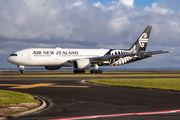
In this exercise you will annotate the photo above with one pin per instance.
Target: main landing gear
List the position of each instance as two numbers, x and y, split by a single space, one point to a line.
79 71
96 69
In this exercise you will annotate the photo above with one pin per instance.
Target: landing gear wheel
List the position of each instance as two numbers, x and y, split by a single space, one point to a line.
79 71
91 71
22 71
96 71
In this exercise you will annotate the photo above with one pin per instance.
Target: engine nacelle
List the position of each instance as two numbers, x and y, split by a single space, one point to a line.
52 67
82 64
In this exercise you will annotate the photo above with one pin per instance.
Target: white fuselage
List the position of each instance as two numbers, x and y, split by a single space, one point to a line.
52 57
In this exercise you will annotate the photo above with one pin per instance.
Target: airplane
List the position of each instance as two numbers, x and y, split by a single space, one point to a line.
83 59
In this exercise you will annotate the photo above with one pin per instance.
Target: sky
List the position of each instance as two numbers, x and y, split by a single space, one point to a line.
91 24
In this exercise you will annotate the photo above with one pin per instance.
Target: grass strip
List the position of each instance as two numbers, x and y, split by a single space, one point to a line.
95 75
10 97
150 83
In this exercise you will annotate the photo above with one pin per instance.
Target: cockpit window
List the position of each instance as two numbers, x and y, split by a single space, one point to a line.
13 55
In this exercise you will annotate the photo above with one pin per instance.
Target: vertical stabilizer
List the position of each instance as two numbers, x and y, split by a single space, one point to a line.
141 42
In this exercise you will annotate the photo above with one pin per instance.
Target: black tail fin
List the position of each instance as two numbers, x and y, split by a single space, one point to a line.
141 42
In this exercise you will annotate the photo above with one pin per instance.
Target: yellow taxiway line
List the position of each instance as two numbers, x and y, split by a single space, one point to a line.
20 86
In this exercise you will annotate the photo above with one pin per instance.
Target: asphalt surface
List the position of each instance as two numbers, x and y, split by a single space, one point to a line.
68 98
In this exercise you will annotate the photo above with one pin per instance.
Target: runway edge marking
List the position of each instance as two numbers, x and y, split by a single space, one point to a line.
118 115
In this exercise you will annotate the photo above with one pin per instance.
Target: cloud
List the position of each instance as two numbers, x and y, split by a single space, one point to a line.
118 24
103 7
81 24
78 3
128 3
157 9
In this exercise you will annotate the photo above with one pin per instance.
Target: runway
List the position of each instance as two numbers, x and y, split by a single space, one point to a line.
69 97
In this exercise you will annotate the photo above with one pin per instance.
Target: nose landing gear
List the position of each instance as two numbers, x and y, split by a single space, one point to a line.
21 69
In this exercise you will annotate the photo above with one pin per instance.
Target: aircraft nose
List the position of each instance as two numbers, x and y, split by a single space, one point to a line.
9 59
13 58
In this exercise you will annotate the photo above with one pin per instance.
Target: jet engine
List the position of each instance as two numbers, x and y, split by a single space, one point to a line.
82 64
52 67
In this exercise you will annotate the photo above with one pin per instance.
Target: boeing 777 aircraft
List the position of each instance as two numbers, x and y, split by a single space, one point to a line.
83 59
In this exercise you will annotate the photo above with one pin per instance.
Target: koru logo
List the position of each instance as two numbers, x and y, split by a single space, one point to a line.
143 39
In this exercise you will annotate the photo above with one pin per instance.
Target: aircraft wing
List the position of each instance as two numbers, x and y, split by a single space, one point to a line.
107 57
131 54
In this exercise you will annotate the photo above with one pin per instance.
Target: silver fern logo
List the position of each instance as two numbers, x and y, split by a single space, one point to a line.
143 39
